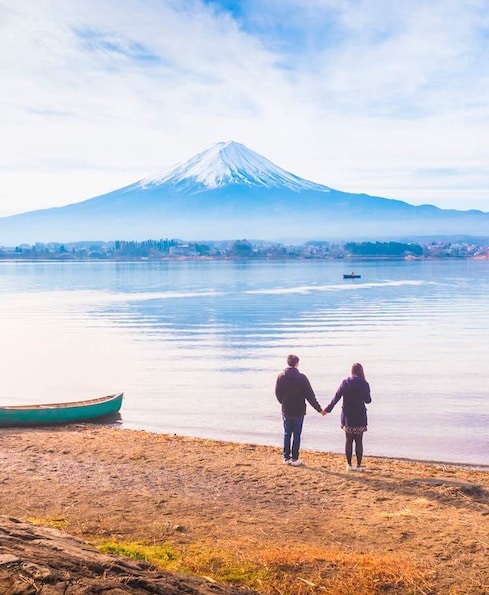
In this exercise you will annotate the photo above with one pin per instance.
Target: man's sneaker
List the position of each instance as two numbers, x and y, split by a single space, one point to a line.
287 461
359 468
296 462
349 467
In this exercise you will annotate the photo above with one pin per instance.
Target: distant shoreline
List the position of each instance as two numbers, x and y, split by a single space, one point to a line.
245 250
55 258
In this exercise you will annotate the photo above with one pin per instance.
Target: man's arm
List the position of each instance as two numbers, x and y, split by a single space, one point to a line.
278 389
310 396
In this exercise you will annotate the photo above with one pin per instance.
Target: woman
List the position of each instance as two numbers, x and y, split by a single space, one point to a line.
355 391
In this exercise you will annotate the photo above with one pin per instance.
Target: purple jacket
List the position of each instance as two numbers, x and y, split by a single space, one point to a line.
292 390
355 392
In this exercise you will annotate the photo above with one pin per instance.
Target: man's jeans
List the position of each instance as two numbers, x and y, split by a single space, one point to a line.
292 431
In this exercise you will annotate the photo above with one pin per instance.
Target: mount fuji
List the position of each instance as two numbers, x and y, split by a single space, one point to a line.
230 192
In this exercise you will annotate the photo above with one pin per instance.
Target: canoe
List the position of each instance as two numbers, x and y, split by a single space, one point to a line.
60 413
352 276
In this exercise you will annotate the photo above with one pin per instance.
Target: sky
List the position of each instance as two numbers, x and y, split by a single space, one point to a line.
373 96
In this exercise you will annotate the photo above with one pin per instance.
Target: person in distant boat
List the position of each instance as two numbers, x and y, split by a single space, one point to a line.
355 391
292 390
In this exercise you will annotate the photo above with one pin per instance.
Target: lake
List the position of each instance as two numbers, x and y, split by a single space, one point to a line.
196 346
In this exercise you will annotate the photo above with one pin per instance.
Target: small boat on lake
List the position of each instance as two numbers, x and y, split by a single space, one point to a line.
351 275
60 413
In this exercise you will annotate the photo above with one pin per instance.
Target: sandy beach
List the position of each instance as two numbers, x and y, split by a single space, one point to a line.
397 527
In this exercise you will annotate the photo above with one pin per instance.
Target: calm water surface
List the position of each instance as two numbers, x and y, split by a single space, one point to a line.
196 347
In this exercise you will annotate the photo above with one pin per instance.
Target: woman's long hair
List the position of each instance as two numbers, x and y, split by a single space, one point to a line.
357 370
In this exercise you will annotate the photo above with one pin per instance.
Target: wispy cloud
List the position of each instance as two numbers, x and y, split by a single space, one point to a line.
370 96
98 42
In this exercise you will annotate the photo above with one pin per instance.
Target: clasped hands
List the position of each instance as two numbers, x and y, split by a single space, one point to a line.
323 412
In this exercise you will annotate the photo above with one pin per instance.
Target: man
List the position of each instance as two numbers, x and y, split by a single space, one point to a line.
292 390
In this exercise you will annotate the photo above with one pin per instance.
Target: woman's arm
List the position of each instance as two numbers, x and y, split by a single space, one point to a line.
336 398
367 398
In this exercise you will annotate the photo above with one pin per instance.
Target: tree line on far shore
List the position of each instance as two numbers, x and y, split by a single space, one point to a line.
383 249
243 249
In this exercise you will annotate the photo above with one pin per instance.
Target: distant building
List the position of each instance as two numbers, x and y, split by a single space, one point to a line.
183 250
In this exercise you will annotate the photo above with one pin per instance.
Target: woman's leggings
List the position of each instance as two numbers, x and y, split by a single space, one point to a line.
358 439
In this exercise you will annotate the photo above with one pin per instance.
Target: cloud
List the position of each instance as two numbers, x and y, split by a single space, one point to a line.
360 95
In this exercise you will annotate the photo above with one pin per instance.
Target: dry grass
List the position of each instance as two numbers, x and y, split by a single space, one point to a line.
285 570
59 523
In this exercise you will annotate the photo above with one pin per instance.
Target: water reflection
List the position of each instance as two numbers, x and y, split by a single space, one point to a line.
196 347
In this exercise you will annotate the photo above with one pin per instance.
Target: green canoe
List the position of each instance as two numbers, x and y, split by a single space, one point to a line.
60 413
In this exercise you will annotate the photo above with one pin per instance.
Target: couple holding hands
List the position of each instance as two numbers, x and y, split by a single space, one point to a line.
293 389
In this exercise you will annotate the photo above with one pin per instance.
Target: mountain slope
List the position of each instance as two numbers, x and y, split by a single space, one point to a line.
227 192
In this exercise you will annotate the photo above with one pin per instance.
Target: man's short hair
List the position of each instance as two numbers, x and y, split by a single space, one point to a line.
292 360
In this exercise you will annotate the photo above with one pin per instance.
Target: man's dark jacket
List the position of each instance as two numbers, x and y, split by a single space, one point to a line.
292 390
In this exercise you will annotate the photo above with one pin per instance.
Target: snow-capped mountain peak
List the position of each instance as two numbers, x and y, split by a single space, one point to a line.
230 163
